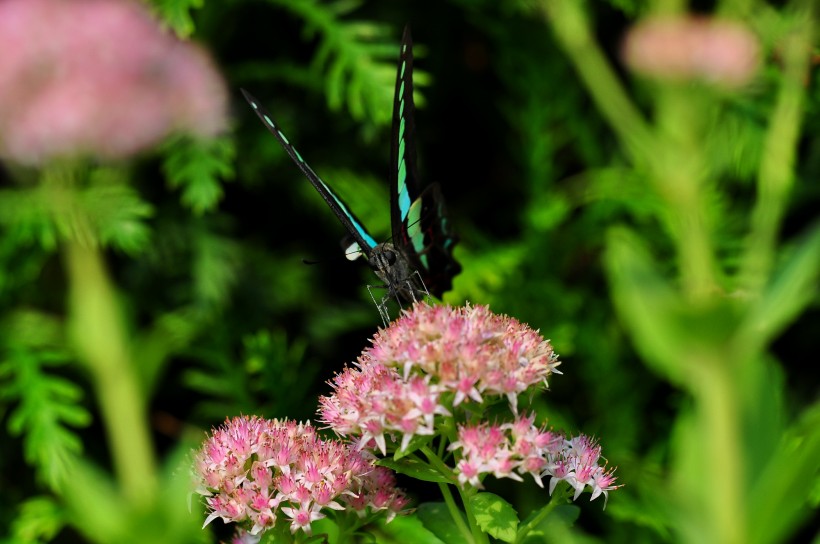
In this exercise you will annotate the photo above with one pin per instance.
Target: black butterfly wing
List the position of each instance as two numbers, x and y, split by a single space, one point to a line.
418 217
354 227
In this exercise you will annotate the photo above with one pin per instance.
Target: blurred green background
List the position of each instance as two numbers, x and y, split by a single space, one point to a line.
663 235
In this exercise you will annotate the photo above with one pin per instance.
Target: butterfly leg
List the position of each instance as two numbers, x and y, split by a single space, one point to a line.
414 289
381 306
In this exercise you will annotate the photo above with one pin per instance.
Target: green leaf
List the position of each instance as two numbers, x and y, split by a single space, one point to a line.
436 518
118 213
99 510
416 442
48 405
39 520
404 529
355 59
793 287
25 215
216 260
195 166
176 13
495 516
645 301
665 327
557 527
780 496
415 469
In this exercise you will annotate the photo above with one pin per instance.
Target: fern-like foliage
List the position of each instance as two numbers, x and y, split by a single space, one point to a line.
39 520
274 378
177 14
355 59
45 406
196 167
96 206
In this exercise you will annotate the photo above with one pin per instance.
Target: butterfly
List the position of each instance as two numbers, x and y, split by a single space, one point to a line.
418 260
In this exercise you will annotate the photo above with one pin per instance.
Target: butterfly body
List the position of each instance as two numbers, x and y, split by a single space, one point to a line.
392 266
418 260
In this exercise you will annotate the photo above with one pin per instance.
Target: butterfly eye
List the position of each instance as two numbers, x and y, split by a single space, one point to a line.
391 257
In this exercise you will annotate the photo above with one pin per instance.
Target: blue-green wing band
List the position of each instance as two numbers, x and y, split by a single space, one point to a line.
351 223
418 217
404 181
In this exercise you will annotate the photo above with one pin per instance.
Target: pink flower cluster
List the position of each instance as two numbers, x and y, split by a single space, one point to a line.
428 361
252 470
683 48
98 77
512 449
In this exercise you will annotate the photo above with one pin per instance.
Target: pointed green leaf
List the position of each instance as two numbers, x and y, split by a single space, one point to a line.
405 529
415 469
556 527
644 299
495 516
793 287
39 520
197 167
664 325
176 14
416 443
781 494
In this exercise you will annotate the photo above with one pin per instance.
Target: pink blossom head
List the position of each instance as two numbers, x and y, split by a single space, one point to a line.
428 362
257 472
99 78
518 448
684 48
468 351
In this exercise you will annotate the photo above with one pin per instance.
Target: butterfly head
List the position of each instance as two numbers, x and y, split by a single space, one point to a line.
392 266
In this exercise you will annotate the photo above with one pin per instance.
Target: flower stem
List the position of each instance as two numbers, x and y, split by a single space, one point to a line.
97 330
455 512
776 174
719 418
571 28
449 500
479 536
559 496
100 338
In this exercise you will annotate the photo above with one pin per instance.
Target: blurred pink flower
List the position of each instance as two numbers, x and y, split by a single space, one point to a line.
98 77
717 51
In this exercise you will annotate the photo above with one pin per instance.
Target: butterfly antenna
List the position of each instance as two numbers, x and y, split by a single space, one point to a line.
416 222
322 261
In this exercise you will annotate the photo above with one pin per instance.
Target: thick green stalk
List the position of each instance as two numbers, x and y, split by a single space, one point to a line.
714 386
561 495
99 335
776 174
479 536
677 173
455 512
449 500
571 28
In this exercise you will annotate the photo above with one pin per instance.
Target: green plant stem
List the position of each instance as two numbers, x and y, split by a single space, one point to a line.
659 155
100 338
479 536
560 496
571 28
474 531
714 387
455 512
677 173
776 175
449 500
